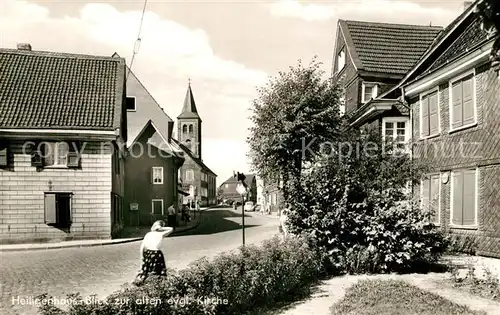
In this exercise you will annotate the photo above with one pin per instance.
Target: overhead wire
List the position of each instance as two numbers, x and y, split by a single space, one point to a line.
137 43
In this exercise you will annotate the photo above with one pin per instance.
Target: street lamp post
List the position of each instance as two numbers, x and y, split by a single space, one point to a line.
241 188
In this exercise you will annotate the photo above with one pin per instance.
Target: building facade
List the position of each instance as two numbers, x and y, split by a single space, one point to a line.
61 166
229 189
455 106
194 172
369 61
152 162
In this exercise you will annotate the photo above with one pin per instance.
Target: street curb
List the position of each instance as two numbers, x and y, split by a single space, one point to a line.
102 243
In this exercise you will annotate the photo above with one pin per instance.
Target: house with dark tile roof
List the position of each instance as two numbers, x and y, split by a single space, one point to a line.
63 130
369 60
195 174
229 189
152 163
453 93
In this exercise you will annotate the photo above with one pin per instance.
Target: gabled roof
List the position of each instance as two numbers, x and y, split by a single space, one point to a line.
439 41
387 48
158 115
248 179
49 90
189 109
198 161
164 145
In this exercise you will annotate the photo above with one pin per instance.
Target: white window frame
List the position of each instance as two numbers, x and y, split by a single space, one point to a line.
192 177
161 172
135 104
226 186
474 99
339 67
55 153
395 120
373 85
153 206
427 92
440 191
476 203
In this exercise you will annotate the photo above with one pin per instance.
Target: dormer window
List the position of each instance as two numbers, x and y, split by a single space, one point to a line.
341 60
369 91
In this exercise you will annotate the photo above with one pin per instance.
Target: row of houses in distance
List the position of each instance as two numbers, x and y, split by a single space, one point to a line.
85 150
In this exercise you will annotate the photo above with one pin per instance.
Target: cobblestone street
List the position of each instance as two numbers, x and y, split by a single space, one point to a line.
102 270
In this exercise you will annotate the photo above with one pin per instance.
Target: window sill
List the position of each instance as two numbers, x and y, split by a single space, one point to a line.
56 167
462 128
463 227
429 137
158 183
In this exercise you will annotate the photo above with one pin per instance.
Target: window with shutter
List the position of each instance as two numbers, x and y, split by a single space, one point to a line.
464 196
468 110
424 117
434 197
469 198
37 150
462 102
3 156
50 209
157 206
433 114
74 154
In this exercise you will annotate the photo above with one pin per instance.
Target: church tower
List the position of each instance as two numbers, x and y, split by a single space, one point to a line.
189 124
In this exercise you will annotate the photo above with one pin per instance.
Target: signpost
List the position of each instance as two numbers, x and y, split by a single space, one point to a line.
241 188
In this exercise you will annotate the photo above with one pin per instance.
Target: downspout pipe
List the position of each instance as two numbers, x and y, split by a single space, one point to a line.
405 103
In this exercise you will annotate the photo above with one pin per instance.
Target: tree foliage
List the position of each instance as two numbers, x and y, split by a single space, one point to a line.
294 109
489 12
357 205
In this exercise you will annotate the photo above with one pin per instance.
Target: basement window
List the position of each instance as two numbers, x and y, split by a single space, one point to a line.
58 209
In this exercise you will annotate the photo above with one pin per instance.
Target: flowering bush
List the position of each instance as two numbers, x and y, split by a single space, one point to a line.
359 211
239 282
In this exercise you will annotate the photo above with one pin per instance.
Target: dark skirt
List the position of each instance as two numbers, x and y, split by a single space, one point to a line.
153 263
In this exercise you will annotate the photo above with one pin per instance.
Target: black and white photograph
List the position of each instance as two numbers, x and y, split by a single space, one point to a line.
250 157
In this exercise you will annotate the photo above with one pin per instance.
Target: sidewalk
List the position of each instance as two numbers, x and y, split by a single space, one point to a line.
133 235
330 291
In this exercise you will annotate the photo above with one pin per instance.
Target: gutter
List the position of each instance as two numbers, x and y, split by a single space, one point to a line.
48 133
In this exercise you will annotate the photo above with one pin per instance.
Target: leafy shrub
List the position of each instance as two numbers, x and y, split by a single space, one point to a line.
236 282
357 207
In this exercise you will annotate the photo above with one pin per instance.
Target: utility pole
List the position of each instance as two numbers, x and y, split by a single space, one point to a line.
241 189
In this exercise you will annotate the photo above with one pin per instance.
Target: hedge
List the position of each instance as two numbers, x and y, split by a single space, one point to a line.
238 282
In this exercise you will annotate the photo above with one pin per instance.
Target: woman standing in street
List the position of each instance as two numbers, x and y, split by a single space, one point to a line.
153 261
283 219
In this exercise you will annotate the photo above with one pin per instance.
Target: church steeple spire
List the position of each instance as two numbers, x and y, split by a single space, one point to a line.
189 109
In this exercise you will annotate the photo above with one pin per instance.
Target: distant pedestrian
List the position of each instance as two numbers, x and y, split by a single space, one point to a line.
283 220
172 216
153 261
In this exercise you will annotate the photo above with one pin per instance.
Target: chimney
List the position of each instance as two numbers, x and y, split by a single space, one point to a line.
467 4
24 46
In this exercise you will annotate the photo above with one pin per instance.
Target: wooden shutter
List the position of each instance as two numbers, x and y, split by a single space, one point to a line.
3 156
456 105
457 202
50 209
469 200
433 114
468 110
37 152
434 196
425 193
74 154
425 116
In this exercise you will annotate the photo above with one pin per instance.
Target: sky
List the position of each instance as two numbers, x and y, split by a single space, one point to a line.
226 48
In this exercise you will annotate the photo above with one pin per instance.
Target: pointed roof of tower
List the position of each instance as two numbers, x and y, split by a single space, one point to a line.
189 109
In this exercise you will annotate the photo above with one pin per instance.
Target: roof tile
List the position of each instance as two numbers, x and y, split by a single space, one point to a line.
58 90
390 48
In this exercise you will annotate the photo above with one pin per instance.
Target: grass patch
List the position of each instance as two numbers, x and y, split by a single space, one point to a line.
391 297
